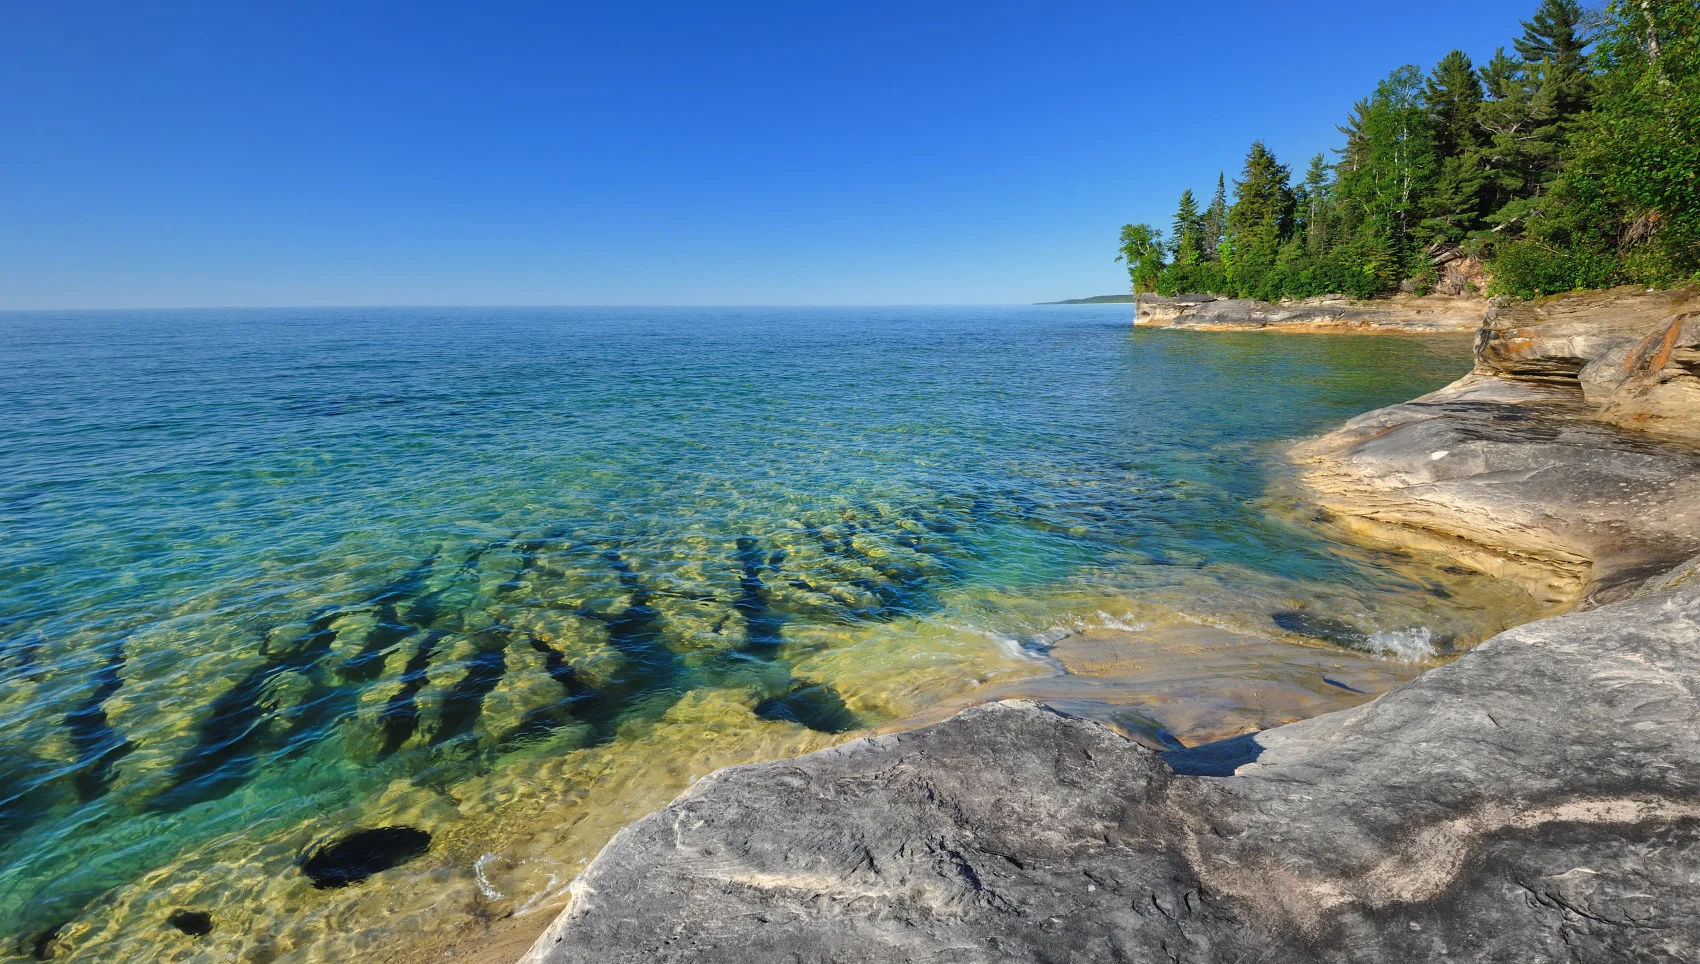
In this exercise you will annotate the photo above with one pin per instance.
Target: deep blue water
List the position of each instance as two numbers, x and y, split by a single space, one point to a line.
268 572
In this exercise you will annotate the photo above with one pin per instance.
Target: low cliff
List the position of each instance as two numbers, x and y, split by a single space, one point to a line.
1525 467
1634 355
1410 313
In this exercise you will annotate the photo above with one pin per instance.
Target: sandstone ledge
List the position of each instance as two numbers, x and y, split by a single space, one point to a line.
1412 314
1566 460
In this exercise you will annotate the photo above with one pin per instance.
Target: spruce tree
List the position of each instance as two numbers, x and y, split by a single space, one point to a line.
1188 230
1385 175
1216 217
1313 202
1520 123
1453 94
1553 42
1554 33
1259 220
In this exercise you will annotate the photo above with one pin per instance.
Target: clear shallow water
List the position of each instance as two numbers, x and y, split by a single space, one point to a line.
516 576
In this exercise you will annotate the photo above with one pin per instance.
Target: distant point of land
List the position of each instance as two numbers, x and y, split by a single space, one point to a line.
1100 300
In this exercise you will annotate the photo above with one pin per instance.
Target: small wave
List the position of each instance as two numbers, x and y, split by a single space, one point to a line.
1405 645
541 876
1111 622
478 872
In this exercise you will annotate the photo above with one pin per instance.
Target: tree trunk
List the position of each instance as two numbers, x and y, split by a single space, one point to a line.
1652 31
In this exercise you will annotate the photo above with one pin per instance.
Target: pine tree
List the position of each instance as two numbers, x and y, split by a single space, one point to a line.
1312 203
1554 34
1216 217
1453 94
1188 231
1385 175
1519 149
1553 41
1259 220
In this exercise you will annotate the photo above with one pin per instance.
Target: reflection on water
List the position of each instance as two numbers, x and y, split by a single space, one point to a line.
328 634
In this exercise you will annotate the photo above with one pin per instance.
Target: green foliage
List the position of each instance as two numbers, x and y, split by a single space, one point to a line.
1142 249
1626 205
1574 162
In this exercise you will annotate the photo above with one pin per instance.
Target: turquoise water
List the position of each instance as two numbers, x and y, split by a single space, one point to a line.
514 576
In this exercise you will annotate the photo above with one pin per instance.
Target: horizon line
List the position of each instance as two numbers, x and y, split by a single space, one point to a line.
323 307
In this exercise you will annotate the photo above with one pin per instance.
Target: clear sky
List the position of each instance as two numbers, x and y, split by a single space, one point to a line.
305 153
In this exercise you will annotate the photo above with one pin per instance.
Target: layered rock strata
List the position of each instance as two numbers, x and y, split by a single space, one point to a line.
1525 468
1635 355
1409 313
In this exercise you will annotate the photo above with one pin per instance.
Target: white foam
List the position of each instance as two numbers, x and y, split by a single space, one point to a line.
1405 645
546 872
1111 622
478 872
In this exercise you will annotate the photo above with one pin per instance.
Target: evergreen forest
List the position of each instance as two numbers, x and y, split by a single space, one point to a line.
1571 160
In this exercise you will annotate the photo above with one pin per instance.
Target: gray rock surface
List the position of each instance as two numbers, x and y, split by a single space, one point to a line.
1536 800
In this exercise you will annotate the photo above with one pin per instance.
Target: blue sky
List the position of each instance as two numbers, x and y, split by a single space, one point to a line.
246 153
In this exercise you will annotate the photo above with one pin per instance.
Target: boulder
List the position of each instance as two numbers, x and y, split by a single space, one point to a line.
1536 800
1653 385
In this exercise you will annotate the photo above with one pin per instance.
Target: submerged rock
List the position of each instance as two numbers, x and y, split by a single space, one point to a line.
1537 799
195 923
359 855
814 705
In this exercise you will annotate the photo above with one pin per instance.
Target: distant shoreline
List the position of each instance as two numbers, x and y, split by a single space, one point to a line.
1098 300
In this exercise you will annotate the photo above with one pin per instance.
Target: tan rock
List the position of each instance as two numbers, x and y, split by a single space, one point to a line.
1399 313
1557 337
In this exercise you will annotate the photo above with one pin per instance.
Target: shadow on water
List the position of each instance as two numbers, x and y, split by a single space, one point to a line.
242 725
368 661
235 728
239 726
814 705
650 672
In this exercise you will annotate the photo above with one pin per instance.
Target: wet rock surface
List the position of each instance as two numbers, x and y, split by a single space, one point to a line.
1537 799
1413 313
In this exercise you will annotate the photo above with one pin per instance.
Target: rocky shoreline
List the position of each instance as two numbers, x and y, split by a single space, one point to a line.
1536 799
1415 314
